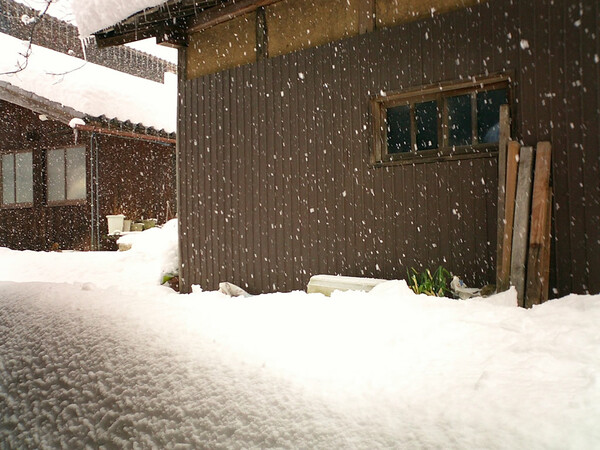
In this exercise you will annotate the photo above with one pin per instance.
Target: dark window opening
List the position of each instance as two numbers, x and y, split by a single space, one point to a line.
460 120
398 129
488 111
426 119
439 121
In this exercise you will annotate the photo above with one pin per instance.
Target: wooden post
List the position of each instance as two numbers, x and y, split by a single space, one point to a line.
520 240
502 150
509 211
539 241
262 40
366 16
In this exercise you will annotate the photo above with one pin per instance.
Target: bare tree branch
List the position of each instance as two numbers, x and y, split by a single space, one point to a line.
62 74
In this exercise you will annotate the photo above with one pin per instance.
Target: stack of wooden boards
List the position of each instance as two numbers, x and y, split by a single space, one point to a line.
524 217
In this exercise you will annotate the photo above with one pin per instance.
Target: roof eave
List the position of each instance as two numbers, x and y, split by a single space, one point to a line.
38 104
64 114
162 21
172 21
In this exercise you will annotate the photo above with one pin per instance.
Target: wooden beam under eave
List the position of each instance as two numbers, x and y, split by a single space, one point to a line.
366 16
262 40
216 15
103 41
174 38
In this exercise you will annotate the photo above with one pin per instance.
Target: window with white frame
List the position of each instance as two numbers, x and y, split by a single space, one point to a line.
17 179
66 175
436 121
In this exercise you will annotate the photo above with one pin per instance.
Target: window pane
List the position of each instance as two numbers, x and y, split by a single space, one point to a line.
24 183
75 173
398 129
8 179
488 114
426 115
56 175
460 128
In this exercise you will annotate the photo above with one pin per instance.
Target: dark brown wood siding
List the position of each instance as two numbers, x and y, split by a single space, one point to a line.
275 178
39 227
136 178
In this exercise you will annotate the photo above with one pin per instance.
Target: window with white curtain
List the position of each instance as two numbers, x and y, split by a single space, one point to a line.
17 179
66 174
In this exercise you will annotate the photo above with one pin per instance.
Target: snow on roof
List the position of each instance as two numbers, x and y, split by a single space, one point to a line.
89 88
61 9
95 15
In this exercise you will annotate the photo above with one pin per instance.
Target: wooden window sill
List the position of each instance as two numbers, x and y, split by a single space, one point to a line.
431 156
67 203
17 206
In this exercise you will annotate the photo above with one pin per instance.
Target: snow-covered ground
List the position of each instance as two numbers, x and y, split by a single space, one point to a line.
94 352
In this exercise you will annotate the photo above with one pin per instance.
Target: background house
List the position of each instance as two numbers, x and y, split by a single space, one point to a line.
79 141
285 173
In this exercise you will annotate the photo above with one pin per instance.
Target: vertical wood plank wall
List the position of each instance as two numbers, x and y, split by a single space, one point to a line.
275 182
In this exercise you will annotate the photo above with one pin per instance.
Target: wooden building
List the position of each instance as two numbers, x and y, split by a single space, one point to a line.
358 137
59 182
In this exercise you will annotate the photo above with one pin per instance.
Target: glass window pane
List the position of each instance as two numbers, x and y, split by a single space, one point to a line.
426 121
24 182
8 179
75 173
460 128
56 175
398 129
488 114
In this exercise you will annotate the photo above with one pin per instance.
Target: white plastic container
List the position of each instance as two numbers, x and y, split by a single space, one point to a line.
115 223
326 284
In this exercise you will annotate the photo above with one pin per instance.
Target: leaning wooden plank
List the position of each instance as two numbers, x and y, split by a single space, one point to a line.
502 151
520 240
547 248
509 211
539 225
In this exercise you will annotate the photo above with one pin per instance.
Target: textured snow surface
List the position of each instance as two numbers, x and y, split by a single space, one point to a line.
93 352
95 15
89 88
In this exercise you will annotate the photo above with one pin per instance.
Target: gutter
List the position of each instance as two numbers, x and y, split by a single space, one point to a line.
126 134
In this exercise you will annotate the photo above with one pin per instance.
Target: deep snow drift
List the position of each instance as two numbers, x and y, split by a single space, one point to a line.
94 352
